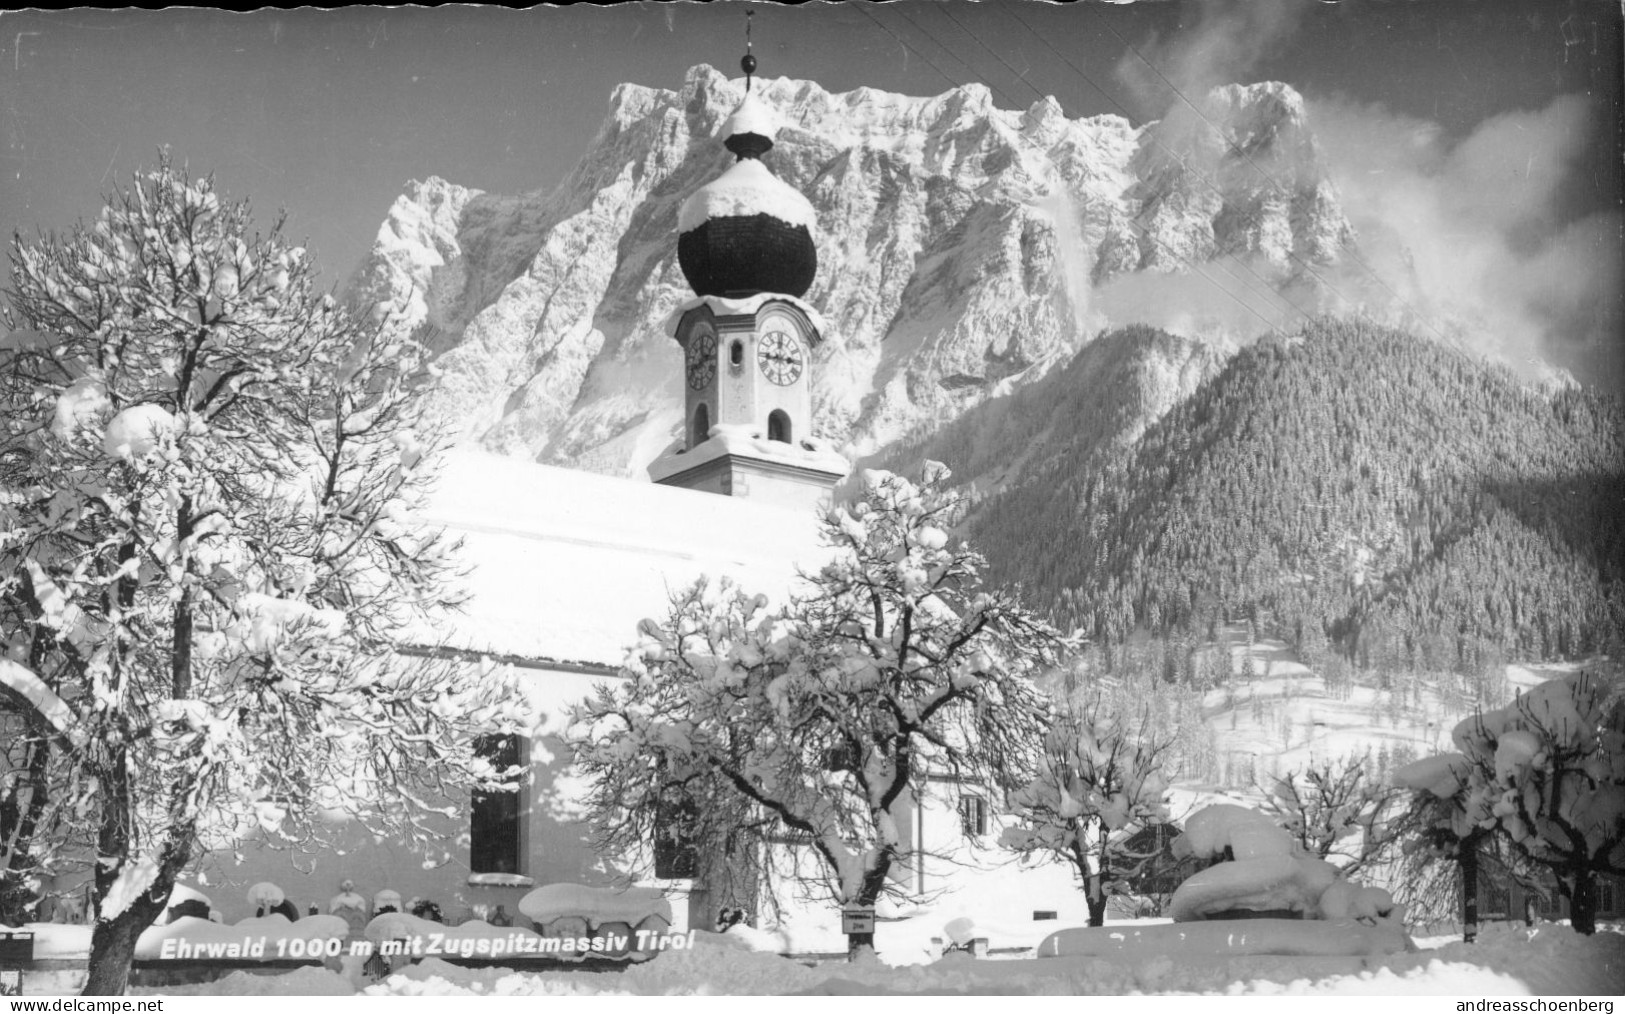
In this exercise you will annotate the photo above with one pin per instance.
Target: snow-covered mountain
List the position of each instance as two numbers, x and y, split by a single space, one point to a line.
957 245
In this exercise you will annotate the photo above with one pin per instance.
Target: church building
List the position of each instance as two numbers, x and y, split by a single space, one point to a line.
564 564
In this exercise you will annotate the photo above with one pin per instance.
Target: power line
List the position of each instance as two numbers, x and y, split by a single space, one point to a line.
963 62
862 7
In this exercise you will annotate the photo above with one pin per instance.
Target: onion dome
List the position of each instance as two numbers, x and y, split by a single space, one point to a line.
747 231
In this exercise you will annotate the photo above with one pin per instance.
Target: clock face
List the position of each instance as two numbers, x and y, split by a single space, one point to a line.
702 359
780 356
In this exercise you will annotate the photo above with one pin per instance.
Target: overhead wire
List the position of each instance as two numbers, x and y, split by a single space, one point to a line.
863 8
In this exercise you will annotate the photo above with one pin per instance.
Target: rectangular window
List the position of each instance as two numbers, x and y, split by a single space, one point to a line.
973 814
676 820
494 831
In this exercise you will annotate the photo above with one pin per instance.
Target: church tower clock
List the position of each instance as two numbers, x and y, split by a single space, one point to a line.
745 245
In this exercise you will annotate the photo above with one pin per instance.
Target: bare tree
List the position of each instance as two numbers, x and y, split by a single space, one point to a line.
1338 810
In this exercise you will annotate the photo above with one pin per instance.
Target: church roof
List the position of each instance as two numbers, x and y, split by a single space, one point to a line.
563 564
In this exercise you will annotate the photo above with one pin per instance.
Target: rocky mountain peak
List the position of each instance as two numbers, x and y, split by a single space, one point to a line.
958 243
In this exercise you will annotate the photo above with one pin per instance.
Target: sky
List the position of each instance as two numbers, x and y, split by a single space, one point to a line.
1477 142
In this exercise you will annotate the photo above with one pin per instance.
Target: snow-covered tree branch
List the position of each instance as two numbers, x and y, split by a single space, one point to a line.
1548 771
822 719
207 469
1099 781
1336 811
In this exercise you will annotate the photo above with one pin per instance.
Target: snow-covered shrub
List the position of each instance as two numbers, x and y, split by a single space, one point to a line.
1099 781
206 557
1548 772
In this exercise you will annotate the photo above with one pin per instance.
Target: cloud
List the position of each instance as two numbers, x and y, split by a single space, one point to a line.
1473 233
1472 239
1229 41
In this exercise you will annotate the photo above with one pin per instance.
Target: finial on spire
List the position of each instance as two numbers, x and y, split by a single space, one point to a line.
747 63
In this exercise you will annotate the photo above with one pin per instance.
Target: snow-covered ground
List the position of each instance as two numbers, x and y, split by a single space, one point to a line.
1507 960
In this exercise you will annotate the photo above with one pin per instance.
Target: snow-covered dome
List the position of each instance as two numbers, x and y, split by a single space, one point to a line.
747 231
751 129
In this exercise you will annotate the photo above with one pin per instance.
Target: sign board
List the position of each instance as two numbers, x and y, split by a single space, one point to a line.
11 982
857 920
16 948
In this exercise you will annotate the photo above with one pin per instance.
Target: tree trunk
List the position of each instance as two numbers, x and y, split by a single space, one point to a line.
1583 903
1095 897
1467 858
112 942
112 949
873 881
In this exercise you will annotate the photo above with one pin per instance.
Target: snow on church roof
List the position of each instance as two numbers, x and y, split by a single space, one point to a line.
563 564
747 188
753 116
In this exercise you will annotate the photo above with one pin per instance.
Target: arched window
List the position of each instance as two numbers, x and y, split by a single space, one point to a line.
736 353
702 425
778 426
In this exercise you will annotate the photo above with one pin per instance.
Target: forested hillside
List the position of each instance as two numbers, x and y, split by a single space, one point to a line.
1351 487
1078 417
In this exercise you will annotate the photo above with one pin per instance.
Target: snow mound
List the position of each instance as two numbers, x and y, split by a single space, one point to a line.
1229 938
1248 834
595 904
311 980
265 895
1268 872
1259 885
747 188
1506 961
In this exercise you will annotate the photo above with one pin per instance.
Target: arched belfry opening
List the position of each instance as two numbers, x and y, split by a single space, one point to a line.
778 426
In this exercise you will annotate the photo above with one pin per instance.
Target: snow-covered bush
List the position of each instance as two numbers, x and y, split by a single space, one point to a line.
206 467
1099 782
814 722
1548 771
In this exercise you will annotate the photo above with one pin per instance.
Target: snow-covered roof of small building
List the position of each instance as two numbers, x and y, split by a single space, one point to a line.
563 564
747 188
722 306
748 441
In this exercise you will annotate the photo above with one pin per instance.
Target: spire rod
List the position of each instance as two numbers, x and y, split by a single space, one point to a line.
747 63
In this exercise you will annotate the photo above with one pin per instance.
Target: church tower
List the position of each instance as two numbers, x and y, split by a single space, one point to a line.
745 245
